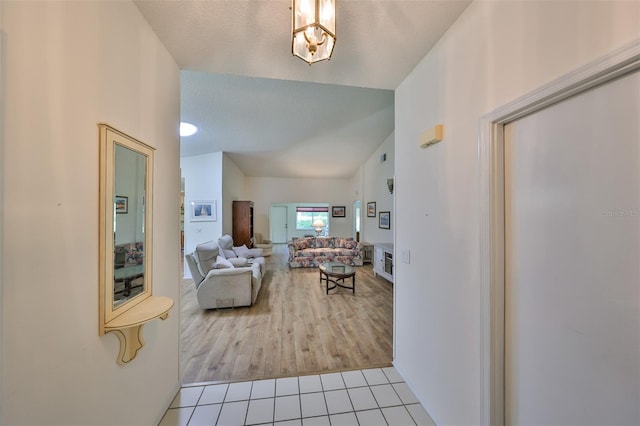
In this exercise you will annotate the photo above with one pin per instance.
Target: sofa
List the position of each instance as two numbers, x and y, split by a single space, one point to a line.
222 277
129 254
308 252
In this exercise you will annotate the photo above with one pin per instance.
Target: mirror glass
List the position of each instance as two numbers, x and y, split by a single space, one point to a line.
128 224
126 178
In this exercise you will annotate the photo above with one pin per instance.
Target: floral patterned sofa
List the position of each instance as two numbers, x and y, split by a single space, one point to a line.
308 252
129 254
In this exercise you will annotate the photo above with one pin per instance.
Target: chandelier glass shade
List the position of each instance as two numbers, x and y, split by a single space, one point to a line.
314 29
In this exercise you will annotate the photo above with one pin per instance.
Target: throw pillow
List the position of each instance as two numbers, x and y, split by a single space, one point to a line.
241 251
350 244
222 263
239 262
229 254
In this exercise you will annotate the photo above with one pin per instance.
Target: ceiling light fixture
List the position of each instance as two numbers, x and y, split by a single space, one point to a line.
187 129
314 29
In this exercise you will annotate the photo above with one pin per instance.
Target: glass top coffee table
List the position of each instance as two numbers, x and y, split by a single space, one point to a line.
336 273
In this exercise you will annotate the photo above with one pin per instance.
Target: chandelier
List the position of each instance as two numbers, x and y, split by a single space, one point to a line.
314 29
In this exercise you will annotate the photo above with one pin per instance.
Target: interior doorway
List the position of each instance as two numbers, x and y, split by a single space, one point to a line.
278 224
572 346
356 219
560 242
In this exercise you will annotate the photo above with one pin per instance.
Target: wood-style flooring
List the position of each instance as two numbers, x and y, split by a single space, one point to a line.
294 328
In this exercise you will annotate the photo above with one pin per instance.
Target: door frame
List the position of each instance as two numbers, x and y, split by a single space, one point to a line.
357 218
622 61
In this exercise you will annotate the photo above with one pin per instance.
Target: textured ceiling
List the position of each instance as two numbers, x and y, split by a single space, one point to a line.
271 111
277 127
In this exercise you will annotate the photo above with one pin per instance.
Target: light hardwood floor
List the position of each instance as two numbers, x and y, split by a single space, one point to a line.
294 328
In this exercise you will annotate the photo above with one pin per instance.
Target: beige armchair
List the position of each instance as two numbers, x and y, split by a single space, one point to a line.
265 245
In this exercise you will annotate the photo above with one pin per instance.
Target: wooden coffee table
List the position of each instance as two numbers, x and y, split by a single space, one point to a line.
336 273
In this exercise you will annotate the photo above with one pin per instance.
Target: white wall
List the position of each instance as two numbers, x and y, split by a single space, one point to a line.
233 189
356 189
202 182
495 52
267 191
69 66
370 180
375 178
367 184
292 216
2 160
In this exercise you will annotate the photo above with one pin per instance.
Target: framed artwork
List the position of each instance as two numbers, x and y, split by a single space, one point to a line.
338 211
384 220
371 209
121 204
203 211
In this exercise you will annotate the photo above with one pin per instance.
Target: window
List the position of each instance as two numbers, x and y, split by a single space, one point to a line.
306 215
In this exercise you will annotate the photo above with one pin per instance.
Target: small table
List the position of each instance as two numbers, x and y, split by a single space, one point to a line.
336 273
128 274
367 252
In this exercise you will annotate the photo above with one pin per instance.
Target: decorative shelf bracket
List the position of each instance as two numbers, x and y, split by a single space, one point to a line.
128 326
130 343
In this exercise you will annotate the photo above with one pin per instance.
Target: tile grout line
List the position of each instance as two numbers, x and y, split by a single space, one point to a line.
246 413
299 399
324 398
193 411
226 391
346 390
273 416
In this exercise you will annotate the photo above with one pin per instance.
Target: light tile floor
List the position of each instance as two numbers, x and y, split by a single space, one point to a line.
377 396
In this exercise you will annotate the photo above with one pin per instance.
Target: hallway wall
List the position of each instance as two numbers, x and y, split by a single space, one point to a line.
495 52
67 67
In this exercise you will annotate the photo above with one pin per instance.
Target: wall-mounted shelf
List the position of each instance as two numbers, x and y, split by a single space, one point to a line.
128 325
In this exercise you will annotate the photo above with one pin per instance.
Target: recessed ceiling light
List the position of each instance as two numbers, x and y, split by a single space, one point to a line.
187 129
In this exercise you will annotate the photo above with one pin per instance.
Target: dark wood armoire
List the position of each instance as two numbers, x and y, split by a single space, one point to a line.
243 223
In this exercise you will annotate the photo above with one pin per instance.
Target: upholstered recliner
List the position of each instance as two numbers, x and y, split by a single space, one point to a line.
224 282
265 245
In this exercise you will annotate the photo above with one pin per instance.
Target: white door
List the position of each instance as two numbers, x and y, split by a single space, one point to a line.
356 220
278 221
572 253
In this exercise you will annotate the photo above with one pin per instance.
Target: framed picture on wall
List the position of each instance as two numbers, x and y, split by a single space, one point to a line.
203 211
121 203
338 211
384 220
371 209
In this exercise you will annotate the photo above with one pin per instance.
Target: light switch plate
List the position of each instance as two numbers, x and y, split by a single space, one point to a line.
406 255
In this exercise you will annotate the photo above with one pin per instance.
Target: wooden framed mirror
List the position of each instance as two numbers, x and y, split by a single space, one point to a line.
126 244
